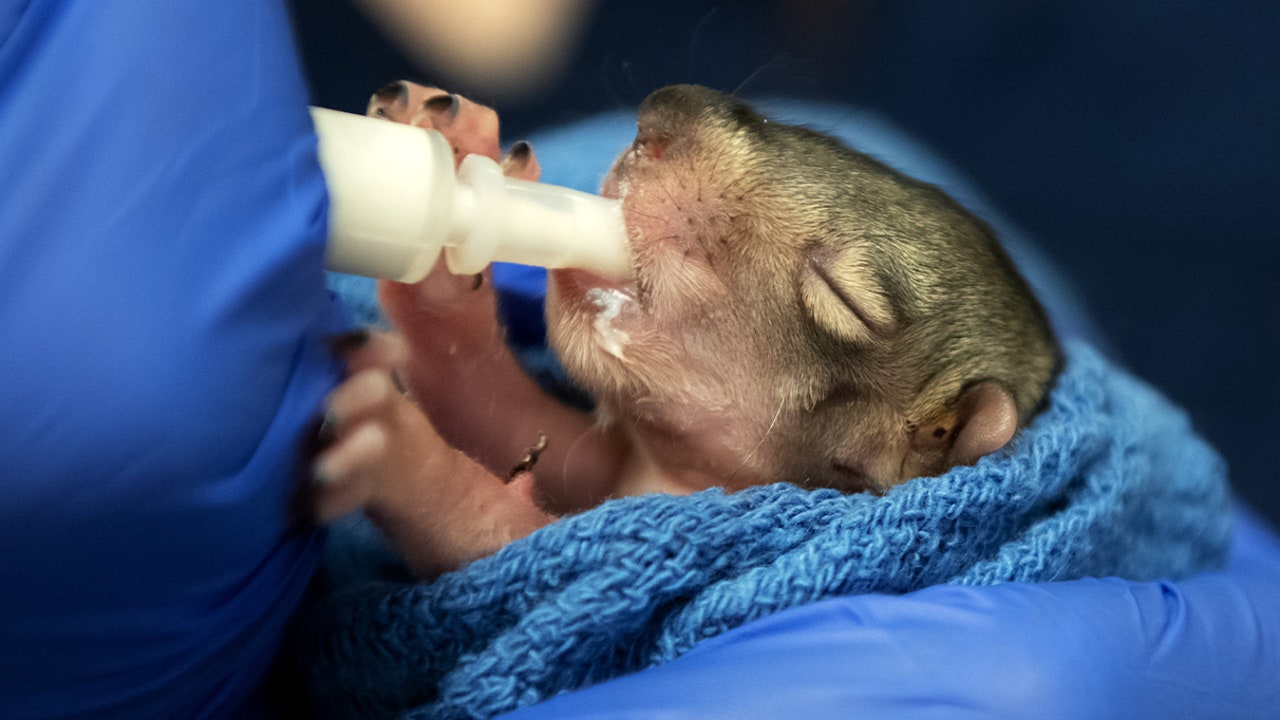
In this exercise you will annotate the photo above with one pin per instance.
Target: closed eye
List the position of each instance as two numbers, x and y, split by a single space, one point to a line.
874 326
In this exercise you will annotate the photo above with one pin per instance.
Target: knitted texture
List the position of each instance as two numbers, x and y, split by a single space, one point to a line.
1108 480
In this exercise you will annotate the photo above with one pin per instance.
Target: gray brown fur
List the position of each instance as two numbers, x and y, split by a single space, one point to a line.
864 301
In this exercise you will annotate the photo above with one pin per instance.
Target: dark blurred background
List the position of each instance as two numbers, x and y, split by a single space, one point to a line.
1137 140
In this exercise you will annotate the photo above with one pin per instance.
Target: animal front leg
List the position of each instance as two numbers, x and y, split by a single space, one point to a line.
438 507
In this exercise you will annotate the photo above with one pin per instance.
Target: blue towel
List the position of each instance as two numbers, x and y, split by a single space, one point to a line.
1109 480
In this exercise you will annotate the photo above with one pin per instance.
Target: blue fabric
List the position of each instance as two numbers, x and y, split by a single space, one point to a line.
1109 480
359 295
161 243
1205 647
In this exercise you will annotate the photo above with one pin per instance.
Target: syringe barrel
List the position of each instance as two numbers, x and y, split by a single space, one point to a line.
395 201
391 195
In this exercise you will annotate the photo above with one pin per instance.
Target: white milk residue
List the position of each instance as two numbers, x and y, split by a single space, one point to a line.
610 301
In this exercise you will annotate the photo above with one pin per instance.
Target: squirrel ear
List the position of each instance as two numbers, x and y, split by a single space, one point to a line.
986 420
839 291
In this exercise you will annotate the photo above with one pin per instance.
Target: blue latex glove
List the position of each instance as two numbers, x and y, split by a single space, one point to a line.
162 300
1207 647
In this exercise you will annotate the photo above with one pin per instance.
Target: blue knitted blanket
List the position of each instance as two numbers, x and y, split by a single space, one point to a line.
1108 480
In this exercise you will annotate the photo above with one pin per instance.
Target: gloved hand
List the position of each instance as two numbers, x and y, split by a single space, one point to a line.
1205 647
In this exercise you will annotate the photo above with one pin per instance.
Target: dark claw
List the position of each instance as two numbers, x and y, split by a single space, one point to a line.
344 343
443 103
530 458
317 437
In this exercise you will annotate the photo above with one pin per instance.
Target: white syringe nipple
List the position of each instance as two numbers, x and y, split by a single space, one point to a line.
536 224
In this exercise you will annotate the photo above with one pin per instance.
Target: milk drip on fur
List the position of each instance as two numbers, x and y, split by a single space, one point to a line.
395 202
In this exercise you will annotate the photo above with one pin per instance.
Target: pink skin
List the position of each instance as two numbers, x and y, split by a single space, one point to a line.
434 502
470 127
